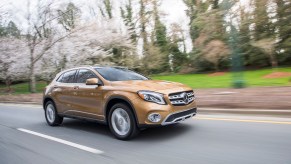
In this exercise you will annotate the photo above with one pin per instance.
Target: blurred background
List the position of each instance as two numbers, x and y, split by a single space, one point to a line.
210 45
235 54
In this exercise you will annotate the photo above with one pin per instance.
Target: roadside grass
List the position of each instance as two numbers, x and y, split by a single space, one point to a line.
252 78
23 88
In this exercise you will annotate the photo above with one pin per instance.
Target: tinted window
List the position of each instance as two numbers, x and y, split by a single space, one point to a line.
85 74
119 74
60 78
68 77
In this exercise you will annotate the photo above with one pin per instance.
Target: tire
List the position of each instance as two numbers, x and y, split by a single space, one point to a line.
51 114
122 122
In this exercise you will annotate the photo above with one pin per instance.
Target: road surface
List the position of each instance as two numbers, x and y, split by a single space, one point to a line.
25 138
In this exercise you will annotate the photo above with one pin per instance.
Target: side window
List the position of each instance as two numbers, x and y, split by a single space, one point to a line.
85 74
60 78
68 77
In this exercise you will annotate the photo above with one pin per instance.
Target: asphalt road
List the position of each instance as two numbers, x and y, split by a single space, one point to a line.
205 139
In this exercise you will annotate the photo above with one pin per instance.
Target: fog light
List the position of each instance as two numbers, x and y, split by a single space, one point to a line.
154 117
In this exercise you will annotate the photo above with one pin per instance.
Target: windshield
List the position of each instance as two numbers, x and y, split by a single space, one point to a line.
119 74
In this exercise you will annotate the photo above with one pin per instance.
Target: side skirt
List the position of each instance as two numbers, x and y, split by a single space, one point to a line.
84 119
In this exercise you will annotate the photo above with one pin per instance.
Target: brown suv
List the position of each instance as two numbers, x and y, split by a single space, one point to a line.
123 99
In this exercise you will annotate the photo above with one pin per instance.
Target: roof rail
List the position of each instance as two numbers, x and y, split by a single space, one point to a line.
122 67
98 65
72 67
104 65
84 66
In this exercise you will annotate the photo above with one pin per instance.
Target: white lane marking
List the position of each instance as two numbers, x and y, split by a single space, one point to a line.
85 148
21 105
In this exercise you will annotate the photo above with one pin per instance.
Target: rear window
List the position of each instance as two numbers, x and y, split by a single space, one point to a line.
67 77
60 78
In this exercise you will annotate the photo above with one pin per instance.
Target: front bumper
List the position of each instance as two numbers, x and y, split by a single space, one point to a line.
169 114
179 116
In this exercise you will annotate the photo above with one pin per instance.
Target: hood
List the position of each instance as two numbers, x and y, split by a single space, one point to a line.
150 85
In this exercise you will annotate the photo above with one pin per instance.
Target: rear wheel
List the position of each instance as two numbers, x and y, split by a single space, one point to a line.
51 115
122 122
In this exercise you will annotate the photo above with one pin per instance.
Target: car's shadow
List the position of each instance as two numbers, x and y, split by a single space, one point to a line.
150 134
91 127
164 132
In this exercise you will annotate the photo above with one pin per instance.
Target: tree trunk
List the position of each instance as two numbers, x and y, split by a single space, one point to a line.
8 85
32 82
216 65
274 61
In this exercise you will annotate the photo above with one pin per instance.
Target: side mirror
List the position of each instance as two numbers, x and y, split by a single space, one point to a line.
93 81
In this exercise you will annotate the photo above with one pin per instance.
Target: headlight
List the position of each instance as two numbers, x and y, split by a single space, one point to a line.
152 97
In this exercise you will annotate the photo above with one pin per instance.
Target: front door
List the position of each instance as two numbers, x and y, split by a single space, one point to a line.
88 98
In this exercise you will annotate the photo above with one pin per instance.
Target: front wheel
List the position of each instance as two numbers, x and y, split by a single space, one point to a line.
51 115
122 122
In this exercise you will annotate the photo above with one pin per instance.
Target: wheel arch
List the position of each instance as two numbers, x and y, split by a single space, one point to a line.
119 99
45 100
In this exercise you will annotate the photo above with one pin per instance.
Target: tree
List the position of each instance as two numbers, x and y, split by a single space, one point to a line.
215 4
252 56
69 19
209 30
127 15
176 40
13 65
143 24
264 31
106 9
283 46
177 58
2 31
11 30
41 36
194 8
263 26
2 28
215 51
267 45
160 37
92 45
69 16
177 35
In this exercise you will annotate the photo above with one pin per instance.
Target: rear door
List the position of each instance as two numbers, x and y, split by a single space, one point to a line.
88 98
63 91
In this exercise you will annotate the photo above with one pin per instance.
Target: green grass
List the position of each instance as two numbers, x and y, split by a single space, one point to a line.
252 79
22 88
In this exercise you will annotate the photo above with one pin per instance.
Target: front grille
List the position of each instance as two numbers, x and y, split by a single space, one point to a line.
182 98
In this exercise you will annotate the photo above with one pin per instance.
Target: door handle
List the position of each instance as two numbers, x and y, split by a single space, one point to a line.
76 87
57 88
